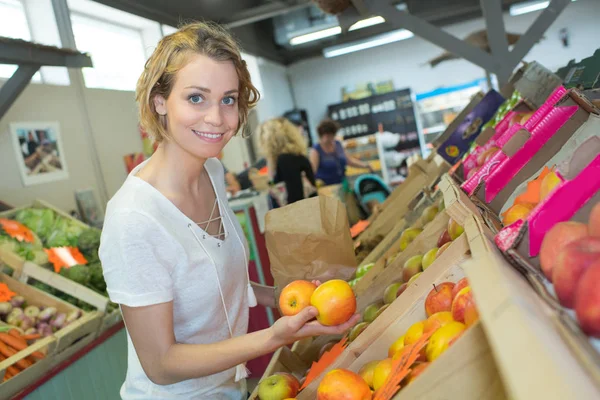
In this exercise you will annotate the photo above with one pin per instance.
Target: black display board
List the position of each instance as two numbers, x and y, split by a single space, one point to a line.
395 111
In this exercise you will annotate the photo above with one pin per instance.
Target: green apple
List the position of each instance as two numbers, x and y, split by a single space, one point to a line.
408 236
371 311
429 258
357 330
381 310
429 214
278 386
363 269
389 294
454 229
411 267
414 278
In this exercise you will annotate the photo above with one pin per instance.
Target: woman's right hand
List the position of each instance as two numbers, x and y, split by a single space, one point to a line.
287 330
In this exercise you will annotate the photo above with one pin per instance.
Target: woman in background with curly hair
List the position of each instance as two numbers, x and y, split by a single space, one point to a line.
286 151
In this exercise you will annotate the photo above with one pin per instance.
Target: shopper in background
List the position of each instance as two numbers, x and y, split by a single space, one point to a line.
232 185
329 158
285 149
173 253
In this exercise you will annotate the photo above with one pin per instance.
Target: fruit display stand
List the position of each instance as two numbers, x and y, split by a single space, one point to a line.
536 353
373 343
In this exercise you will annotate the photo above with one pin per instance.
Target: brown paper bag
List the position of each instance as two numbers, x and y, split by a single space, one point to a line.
310 240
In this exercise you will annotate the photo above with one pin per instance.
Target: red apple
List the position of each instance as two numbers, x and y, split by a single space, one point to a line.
280 385
444 238
571 263
460 302
587 300
439 298
463 283
555 239
594 221
401 289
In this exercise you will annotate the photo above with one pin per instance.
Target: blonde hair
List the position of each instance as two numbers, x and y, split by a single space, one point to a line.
279 136
172 54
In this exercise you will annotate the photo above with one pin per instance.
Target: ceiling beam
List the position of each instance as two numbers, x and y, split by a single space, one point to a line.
14 51
15 85
266 11
418 26
496 33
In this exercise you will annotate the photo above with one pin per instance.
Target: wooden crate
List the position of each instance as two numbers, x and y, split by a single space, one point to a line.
15 261
407 309
536 353
106 320
458 205
478 378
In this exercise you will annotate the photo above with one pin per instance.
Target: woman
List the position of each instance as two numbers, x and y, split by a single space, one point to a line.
172 251
285 149
329 158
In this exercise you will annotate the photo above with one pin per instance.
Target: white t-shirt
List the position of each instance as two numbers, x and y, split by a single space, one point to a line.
150 256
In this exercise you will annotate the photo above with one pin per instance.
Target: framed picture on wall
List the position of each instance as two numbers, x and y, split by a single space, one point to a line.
39 151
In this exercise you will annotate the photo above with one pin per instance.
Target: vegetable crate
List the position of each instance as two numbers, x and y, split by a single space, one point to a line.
43 350
466 370
535 347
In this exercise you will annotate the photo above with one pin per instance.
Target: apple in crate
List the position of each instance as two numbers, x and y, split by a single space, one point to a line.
366 372
437 320
278 386
587 300
391 292
460 285
362 270
343 384
555 239
442 339
460 302
439 298
371 312
594 221
429 258
454 229
444 238
357 330
412 266
396 346
407 236
382 372
571 263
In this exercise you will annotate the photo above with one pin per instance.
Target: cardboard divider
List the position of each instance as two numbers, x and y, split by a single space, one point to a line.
533 347
407 309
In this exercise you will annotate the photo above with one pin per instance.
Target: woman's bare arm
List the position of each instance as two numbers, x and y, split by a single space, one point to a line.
166 362
314 159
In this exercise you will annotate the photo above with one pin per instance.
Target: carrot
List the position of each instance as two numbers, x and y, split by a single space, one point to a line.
38 355
17 344
31 336
9 351
15 333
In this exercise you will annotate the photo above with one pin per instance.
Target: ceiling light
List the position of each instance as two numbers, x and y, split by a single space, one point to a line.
527 7
309 37
363 23
390 37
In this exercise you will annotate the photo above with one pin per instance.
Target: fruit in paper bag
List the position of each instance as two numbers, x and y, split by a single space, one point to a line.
390 292
408 236
366 372
555 239
357 330
587 300
439 298
414 278
460 302
429 214
571 263
342 384
517 212
412 266
549 182
444 238
442 249
442 339
278 386
429 258
295 296
454 229
414 333
382 372
594 222
371 312
396 346
437 320
335 302
460 285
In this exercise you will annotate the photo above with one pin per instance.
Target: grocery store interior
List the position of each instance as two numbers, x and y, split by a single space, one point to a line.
430 165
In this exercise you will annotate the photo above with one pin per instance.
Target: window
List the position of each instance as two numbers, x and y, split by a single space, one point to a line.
117 52
13 24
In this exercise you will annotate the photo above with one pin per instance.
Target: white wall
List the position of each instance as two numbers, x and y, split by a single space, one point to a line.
114 125
317 82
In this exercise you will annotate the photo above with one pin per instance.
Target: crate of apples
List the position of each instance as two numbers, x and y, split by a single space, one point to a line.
450 309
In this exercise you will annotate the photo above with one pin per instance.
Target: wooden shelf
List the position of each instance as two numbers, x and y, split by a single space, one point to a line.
526 335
